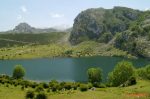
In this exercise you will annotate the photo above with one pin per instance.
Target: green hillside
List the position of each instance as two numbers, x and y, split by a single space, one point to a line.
10 40
124 28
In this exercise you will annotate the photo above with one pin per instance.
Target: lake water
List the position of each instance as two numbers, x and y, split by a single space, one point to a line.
65 69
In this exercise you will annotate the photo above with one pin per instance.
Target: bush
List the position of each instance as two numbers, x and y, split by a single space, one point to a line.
68 86
34 85
30 94
121 73
45 85
55 87
39 88
94 75
18 72
83 87
90 85
41 95
144 72
131 81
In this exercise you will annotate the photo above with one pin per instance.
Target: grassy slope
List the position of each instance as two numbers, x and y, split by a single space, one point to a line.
89 48
51 45
10 40
141 90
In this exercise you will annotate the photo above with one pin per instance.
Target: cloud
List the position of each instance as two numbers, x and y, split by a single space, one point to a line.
56 15
24 9
146 9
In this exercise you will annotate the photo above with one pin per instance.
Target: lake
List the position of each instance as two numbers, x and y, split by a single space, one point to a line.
65 69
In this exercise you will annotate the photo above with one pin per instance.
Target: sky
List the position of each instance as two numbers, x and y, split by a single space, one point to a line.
55 13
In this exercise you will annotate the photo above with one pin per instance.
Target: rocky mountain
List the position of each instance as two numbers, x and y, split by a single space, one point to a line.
92 23
124 28
26 28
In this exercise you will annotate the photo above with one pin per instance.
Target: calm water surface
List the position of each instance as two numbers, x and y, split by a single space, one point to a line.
65 69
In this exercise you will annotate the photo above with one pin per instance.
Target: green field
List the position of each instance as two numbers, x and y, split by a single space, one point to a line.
89 48
139 91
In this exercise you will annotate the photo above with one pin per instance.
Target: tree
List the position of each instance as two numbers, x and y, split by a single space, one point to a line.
122 72
18 72
94 75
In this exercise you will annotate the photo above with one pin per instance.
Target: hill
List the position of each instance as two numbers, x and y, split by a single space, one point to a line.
26 28
124 28
11 39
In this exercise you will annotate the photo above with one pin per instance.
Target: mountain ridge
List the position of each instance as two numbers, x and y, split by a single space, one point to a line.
26 28
127 29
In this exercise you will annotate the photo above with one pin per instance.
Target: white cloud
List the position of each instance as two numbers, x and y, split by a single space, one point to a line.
24 9
56 15
147 9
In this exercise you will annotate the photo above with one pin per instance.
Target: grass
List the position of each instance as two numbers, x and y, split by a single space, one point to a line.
89 48
139 91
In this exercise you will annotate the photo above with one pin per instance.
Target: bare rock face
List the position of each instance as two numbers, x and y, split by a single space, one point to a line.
92 23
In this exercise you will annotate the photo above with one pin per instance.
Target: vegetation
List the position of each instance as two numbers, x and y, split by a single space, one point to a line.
107 32
144 72
12 40
83 87
30 94
123 28
140 90
121 73
94 75
18 72
89 48
41 95
94 23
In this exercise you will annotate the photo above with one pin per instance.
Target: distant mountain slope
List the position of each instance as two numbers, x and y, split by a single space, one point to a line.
25 28
19 39
92 23
124 28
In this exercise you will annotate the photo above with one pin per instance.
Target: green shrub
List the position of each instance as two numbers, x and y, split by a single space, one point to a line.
90 85
83 87
102 85
68 86
94 75
121 73
144 72
129 82
34 85
74 86
41 95
30 94
18 72
52 82
55 87
45 85
39 88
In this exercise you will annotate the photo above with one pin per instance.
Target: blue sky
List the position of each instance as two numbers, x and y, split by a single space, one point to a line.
50 13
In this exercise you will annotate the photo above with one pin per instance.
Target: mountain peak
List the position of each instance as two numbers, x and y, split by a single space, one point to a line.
23 28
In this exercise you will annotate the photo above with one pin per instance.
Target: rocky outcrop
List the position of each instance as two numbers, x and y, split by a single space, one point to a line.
92 23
